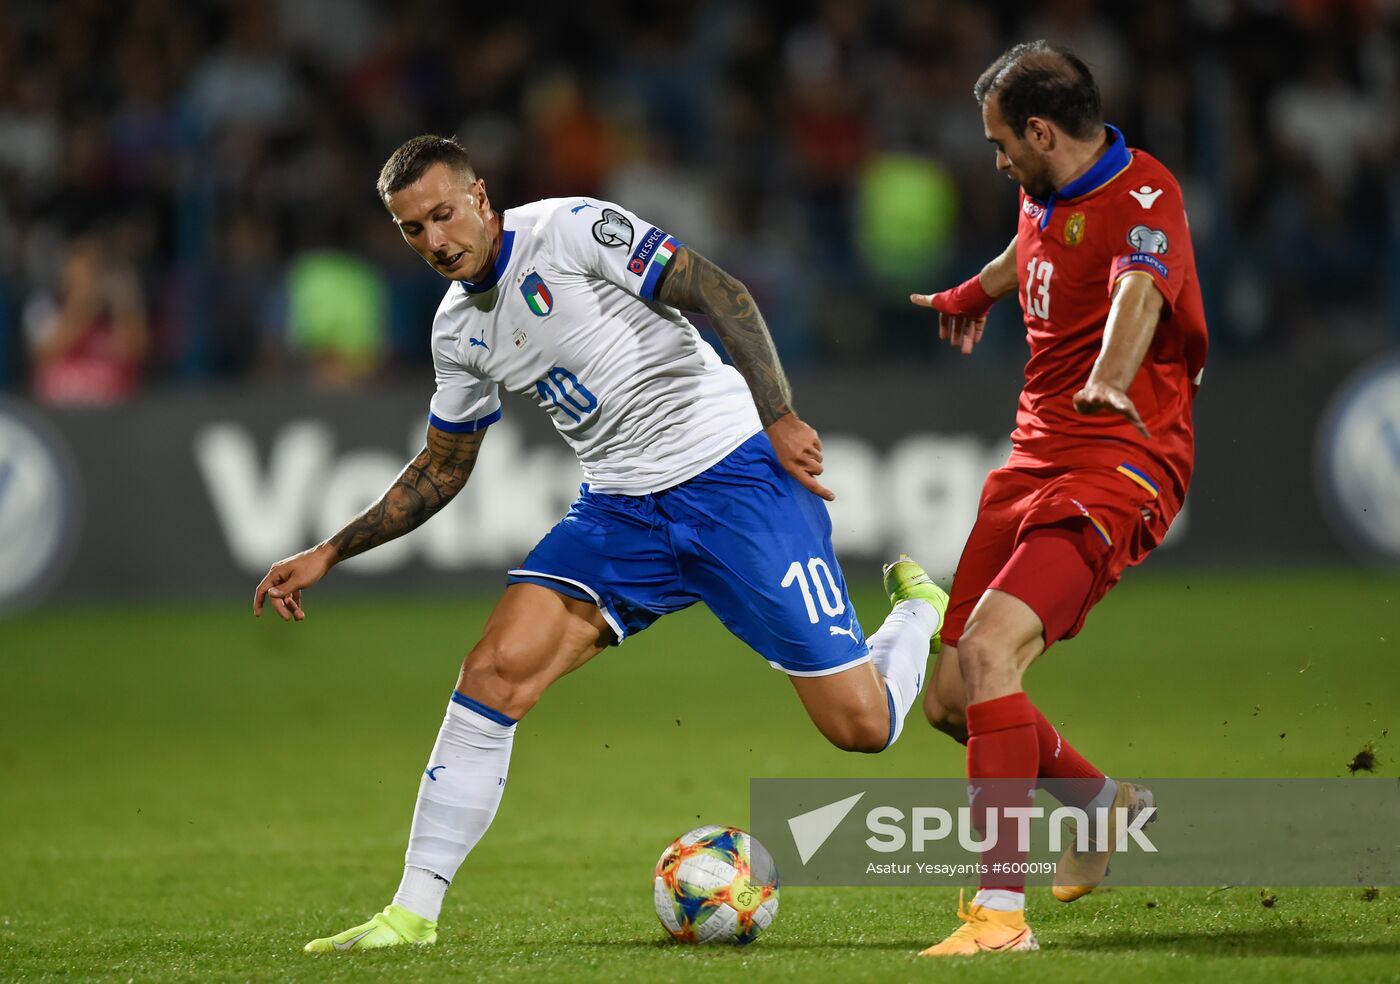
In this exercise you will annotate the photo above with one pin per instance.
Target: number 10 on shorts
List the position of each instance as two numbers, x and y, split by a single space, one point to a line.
821 583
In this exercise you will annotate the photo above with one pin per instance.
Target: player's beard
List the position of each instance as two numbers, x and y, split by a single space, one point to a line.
1039 186
1036 179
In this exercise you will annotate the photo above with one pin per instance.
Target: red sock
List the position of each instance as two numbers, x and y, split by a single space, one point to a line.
1002 745
1074 780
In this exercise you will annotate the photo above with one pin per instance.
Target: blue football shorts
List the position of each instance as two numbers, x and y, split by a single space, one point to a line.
743 536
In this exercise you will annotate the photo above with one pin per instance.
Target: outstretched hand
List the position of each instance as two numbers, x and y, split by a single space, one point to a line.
283 583
1097 397
800 452
959 323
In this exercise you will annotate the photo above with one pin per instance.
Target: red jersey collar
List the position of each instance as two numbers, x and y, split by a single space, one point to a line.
1113 162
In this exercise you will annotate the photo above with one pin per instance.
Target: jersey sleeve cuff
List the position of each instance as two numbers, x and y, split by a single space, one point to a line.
1146 265
1146 262
664 253
464 426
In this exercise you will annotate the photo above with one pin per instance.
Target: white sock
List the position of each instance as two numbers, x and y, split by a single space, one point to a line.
457 799
1103 799
999 899
422 892
899 651
1098 810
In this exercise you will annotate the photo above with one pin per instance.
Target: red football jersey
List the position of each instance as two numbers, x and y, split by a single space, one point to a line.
1124 216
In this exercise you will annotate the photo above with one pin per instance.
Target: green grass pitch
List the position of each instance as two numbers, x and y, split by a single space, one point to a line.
187 794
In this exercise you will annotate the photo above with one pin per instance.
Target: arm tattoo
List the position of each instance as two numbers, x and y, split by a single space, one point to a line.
426 485
693 283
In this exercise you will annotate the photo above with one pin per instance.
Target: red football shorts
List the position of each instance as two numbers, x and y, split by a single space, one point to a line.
1056 539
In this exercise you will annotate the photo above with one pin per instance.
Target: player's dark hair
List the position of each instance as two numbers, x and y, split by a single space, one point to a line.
407 164
1038 78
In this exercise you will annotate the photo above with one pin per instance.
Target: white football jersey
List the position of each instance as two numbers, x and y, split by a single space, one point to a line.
568 317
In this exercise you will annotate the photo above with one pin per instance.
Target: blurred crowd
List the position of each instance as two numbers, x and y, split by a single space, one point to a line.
186 186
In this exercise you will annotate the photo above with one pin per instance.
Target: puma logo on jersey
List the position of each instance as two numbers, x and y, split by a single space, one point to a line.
1146 196
836 630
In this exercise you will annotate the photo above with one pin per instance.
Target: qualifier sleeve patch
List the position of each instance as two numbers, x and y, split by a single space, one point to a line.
613 229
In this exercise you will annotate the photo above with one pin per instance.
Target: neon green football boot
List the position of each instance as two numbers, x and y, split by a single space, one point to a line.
395 926
906 580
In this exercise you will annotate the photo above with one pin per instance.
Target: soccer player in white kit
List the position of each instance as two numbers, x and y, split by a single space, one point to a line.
701 485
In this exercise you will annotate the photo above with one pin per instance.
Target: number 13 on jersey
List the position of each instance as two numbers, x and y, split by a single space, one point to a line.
1038 274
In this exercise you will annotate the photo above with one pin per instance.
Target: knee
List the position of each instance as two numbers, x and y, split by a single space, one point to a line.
952 721
864 732
502 677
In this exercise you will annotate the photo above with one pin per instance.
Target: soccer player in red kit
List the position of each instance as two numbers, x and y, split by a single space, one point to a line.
1101 456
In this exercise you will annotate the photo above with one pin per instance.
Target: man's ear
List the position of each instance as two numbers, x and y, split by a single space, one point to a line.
1040 134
